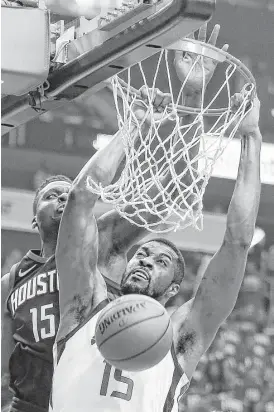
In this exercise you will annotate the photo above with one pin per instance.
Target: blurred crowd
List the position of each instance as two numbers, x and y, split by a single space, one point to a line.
237 372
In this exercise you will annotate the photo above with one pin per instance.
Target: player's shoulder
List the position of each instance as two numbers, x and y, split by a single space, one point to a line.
7 284
8 280
184 328
30 264
75 338
188 336
113 288
179 315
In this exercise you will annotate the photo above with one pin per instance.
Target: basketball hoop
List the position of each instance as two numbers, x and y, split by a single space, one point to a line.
153 157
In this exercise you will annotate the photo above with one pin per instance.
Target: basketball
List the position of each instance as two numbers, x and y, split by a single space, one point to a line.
134 332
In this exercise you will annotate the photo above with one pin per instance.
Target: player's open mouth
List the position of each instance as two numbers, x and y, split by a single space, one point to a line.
140 273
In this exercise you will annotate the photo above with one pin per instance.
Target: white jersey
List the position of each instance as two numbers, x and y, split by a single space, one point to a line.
83 381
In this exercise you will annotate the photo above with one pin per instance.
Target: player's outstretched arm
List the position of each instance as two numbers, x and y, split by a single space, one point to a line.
198 321
81 285
116 234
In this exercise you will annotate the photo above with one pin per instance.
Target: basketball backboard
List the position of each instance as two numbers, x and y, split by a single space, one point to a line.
119 40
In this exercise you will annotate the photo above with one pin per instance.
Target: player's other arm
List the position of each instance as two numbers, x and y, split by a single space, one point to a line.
7 342
116 234
81 285
216 295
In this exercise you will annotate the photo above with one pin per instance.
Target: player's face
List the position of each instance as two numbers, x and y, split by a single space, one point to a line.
150 271
51 203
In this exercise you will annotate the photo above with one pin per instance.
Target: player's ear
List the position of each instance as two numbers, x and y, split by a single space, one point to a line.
34 223
173 290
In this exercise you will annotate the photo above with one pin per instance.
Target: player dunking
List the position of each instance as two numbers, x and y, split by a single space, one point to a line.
30 295
82 380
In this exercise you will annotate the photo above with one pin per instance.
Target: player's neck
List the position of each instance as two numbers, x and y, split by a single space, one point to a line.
162 300
48 248
48 238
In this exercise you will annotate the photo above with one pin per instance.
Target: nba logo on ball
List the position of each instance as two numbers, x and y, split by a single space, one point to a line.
134 332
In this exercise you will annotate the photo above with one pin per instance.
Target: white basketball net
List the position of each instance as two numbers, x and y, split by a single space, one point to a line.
162 184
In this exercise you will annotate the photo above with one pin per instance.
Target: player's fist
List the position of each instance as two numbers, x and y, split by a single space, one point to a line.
250 122
151 106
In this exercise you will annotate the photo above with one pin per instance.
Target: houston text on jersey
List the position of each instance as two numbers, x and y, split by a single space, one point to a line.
38 285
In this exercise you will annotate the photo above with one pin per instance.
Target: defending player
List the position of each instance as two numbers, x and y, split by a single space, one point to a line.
31 289
30 304
82 380
30 310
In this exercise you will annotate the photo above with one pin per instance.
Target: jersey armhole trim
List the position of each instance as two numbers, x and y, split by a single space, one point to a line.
111 283
12 275
61 342
179 377
175 360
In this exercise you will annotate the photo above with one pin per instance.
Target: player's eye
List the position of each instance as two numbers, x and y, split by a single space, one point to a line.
162 262
51 196
141 255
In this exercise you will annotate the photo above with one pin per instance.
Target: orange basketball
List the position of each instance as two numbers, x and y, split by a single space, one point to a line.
134 332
